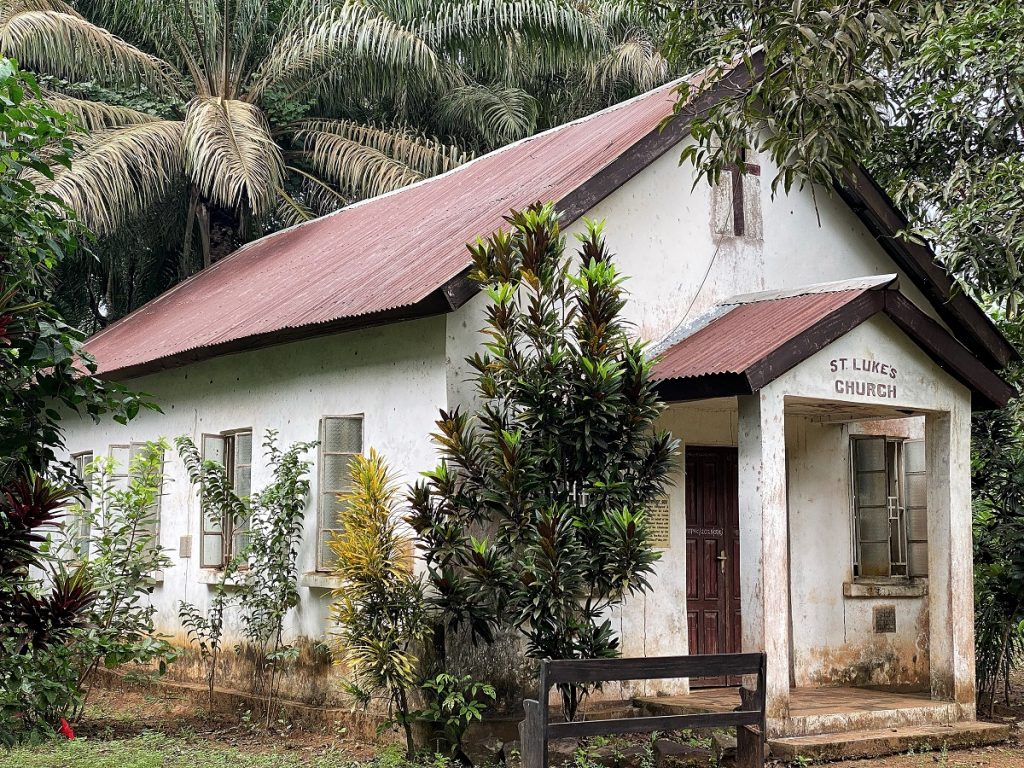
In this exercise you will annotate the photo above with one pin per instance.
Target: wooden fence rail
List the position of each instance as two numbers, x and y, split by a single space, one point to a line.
749 719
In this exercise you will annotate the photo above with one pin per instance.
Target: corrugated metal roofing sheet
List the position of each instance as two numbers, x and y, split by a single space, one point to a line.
747 333
378 255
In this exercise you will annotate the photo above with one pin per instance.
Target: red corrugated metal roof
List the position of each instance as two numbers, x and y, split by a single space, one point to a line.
388 252
747 333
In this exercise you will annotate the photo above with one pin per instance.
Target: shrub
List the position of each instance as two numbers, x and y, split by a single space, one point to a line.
554 469
122 556
379 606
38 682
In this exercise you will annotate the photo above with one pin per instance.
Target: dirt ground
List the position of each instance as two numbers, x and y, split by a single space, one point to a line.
129 711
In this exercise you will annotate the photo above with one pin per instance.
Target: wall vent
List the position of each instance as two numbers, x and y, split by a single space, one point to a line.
185 546
885 619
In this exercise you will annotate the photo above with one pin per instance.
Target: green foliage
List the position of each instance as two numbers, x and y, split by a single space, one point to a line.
272 578
38 371
455 702
998 480
925 94
38 684
121 556
379 607
554 470
262 579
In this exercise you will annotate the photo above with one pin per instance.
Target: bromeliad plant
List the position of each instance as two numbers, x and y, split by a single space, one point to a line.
379 607
535 517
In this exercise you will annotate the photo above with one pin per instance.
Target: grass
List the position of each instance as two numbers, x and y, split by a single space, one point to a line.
155 750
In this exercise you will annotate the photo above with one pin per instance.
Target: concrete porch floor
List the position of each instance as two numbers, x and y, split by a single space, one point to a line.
833 723
818 705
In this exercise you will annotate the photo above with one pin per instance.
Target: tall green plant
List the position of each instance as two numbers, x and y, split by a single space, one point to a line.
998 480
122 556
379 607
555 467
271 582
39 376
262 579
218 499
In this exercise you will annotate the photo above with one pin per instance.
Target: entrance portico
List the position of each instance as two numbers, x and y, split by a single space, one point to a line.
849 413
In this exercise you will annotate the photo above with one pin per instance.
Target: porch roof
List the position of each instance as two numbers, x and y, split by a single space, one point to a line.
745 343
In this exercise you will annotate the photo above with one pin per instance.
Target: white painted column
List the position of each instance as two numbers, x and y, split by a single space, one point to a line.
764 547
950 556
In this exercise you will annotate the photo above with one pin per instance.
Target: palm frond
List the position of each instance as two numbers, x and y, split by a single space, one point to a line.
68 46
11 8
356 32
119 173
368 160
498 115
95 115
633 62
230 154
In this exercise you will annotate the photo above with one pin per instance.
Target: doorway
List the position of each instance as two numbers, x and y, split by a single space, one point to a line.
712 550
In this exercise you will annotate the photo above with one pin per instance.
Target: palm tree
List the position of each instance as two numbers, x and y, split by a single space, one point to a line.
230 118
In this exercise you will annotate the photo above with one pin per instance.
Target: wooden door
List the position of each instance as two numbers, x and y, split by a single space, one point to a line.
712 550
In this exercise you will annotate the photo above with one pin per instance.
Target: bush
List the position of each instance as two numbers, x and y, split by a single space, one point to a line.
42 607
553 471
379 606
121 556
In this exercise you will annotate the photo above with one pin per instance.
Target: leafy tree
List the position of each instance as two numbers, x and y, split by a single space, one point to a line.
226 118
998 480
535 517
38 371
262 578
925 93
379 607
271 582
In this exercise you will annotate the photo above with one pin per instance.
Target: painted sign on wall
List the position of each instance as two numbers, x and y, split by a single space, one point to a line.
658 523
863 377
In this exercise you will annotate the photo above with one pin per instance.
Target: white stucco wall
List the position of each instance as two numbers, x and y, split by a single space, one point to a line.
832 637
393 375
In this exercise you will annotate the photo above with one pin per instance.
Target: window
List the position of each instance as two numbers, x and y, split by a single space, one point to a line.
341 438
77 526
889 507
124 456
223 537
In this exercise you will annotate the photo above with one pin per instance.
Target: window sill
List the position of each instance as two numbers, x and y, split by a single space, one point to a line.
213 576
885 588
155 579
319 580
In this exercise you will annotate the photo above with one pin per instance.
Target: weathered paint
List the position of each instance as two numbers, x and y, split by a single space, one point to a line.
393 375
680 263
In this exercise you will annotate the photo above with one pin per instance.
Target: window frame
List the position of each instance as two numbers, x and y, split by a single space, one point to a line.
228 529
898 510
124 472
79 538
321 529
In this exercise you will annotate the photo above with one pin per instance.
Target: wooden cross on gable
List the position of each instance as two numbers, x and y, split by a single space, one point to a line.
738 172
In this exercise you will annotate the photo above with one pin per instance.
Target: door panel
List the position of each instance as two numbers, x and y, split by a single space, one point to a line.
712 552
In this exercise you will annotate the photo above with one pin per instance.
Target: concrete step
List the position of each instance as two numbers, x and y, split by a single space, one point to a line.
888 741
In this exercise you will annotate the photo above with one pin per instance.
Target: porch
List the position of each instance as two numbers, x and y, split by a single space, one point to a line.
845 722
826 508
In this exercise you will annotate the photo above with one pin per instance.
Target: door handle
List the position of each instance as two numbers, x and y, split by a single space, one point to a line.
722 557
